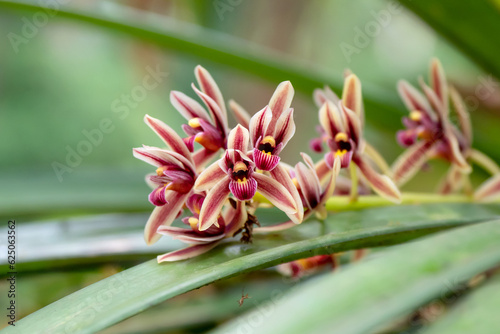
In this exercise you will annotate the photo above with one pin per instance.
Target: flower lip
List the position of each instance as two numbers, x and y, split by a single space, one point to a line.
267 145
343 143
240 171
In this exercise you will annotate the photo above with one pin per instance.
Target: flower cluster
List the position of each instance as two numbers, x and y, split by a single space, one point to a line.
216 176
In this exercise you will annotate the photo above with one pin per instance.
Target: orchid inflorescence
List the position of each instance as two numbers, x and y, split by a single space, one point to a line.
221 175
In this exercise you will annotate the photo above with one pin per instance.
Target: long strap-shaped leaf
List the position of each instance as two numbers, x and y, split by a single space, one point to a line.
364 297
134 290
477 313
470 25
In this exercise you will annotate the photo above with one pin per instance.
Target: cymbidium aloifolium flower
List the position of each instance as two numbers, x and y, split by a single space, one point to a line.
430 134
236 173
342 129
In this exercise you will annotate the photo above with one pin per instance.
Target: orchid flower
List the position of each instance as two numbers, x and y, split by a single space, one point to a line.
210 128
342 123
228 223
235 174
429 132
272 127
174 178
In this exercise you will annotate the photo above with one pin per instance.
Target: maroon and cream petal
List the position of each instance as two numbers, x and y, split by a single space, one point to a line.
202 157
163 215
281 174
274 228
320 96
212 205
243 190
157 196
280 101
455 153
345 159
236 218
209 87
411 161
438 82
169 136
186 253
217 114
285 127
381 184
414 100
156 157
322 170
275 193
329 159
353 123
241 115
462 113
435 102
188 107
331 119
351 95
330 186
265 161
238 139
188 236
164 155
259 124
309 185
452 181
210 176
489 190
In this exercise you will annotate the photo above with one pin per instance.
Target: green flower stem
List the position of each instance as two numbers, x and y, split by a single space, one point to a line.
343 203
354 183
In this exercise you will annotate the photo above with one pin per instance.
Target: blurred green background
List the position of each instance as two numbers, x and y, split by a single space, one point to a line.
70 76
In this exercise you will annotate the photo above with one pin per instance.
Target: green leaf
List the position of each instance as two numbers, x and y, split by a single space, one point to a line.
477 313
371 294
469 25
134 290
224 49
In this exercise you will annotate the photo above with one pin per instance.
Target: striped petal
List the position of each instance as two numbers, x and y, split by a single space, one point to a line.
213 203
210 176
280 174
285 127
381 184
435 102
411 161
209 87
236 218
156 157
275 193
259 124
186 253
414 100
157 196
238 139
219 117
188 107
351 95
243 190
462 113
320 96
280 101
188 236
331 119
202 157
353 123
452 181
241 115
164 215
309 185
265 161
169 136
438 82
489 190
455 153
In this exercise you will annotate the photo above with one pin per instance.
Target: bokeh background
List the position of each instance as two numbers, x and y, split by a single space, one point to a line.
70 76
